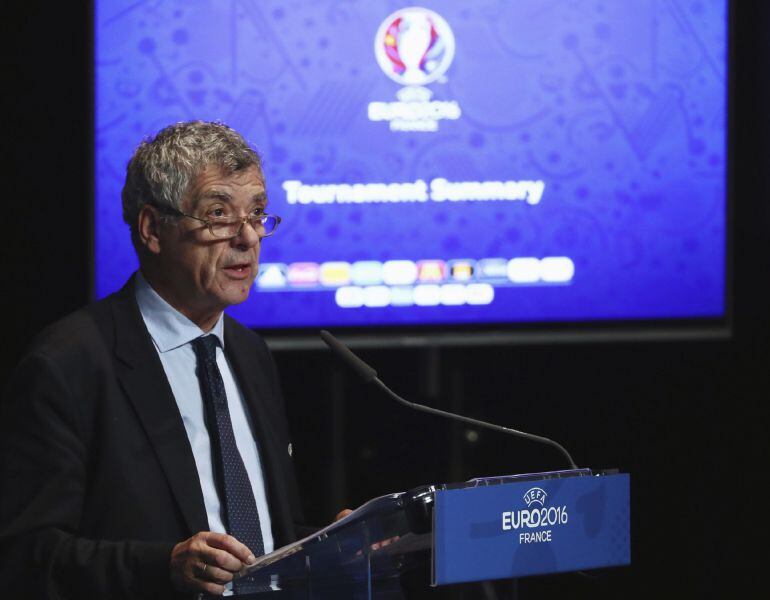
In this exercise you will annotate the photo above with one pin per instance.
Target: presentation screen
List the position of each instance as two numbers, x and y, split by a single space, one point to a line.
443 163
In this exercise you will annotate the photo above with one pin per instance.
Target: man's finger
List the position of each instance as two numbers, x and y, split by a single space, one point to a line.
221 559
229 544
342 514
211 588
215 574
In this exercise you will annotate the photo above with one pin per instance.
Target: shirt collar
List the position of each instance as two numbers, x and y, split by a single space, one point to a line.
168 328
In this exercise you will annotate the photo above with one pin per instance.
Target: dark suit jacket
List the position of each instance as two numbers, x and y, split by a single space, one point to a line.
98 477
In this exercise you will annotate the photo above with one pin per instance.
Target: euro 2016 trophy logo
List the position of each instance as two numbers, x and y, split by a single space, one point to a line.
414 47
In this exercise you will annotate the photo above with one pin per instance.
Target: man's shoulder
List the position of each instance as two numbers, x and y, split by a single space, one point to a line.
70 358
87 331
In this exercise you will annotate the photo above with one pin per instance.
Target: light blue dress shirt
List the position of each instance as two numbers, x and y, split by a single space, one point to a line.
172 333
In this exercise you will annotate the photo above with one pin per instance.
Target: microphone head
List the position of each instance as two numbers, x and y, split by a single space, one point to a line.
364 371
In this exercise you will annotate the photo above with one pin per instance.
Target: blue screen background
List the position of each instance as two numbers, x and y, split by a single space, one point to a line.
619 107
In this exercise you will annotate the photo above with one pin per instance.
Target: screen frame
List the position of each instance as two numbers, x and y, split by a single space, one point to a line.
492 334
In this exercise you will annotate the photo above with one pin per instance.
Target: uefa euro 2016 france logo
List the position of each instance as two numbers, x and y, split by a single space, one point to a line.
414 46
537 522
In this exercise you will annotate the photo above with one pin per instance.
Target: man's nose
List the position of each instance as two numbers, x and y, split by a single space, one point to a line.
247 237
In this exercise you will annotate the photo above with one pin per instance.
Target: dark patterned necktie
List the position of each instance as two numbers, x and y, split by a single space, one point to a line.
239 507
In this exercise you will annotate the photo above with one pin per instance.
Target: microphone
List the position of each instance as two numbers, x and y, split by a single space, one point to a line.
369 375
364 371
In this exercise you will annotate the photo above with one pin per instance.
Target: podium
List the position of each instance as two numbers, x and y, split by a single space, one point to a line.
483 529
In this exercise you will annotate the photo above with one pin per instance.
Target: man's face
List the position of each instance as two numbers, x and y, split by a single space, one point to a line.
200 274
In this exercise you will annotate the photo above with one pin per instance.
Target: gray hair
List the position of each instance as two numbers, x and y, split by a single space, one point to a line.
163 168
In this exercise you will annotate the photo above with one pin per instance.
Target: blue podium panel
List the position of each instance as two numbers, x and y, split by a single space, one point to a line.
531 528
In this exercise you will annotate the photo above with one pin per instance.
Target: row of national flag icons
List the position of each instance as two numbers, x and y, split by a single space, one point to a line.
337 274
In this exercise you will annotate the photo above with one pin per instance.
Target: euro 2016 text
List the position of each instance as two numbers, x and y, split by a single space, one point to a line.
535 518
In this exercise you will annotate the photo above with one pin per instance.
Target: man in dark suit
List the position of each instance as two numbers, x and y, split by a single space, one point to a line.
144 450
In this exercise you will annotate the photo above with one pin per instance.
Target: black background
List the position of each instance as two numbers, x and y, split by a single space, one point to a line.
686 419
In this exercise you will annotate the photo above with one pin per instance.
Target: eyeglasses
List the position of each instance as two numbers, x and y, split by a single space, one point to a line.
230 227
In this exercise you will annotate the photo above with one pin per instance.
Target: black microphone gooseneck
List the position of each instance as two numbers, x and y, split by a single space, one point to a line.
369 375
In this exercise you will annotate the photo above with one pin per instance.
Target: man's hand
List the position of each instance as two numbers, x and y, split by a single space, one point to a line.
207 561
342 514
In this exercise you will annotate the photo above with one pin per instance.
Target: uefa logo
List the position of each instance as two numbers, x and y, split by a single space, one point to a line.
535 495
414 46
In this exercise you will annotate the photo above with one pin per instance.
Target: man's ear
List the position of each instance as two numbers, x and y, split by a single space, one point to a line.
148 228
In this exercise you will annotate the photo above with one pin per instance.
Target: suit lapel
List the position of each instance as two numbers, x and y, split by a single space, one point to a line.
254 387
143 379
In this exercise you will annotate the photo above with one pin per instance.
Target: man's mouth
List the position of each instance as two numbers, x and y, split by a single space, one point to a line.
239 271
